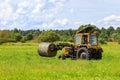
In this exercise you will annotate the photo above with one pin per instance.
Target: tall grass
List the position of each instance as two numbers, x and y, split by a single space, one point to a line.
22 62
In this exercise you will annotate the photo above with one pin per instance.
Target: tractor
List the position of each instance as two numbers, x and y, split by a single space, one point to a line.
85 47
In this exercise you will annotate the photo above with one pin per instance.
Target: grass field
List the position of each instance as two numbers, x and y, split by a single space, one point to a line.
22 62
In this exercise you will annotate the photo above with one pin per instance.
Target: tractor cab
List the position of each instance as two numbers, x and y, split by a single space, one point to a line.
86 39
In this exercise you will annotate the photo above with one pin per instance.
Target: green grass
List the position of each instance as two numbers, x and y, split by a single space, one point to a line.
22 62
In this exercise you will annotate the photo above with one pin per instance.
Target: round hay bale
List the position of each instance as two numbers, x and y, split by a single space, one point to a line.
47 49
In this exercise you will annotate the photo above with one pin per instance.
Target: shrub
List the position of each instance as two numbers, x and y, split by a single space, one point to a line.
48 36
24 39
11 40
119 41
102 41
4 36
67 39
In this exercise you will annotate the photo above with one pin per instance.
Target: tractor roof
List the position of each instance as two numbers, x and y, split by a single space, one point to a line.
86 30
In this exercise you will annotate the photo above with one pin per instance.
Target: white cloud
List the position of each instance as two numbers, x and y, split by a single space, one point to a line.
5 10
58 23
23 7
48 16
112 20
62 22
24 4
26 14
71 10
3 22
55 24
38 8
44 25
52 1
112 17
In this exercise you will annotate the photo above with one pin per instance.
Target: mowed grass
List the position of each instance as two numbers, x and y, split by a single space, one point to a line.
22 62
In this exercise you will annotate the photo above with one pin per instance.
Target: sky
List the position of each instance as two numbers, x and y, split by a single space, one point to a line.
58 14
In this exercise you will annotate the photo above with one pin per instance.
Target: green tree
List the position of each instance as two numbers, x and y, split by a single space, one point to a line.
48 36
18 37
16 30
115 36
67 38
36 34
110 31
4 36
118 39
24 39
102 41
104 34
118 30
15 35
29 36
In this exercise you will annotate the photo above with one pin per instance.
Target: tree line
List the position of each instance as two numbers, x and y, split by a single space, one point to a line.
17 35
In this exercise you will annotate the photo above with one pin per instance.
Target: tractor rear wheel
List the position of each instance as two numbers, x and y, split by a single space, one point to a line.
83 53
98 56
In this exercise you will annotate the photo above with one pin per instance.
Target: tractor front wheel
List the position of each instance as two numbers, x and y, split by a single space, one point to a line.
62 56
83 53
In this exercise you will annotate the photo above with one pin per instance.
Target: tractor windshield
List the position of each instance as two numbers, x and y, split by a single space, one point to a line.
93 40
77 40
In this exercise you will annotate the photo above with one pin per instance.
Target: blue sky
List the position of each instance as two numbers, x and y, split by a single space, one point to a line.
58 14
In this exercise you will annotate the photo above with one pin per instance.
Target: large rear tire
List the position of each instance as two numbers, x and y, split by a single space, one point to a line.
98 56
83 53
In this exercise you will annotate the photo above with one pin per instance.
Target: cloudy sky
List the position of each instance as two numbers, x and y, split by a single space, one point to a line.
58 14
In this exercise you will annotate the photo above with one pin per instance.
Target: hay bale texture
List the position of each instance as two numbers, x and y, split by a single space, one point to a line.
47 49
